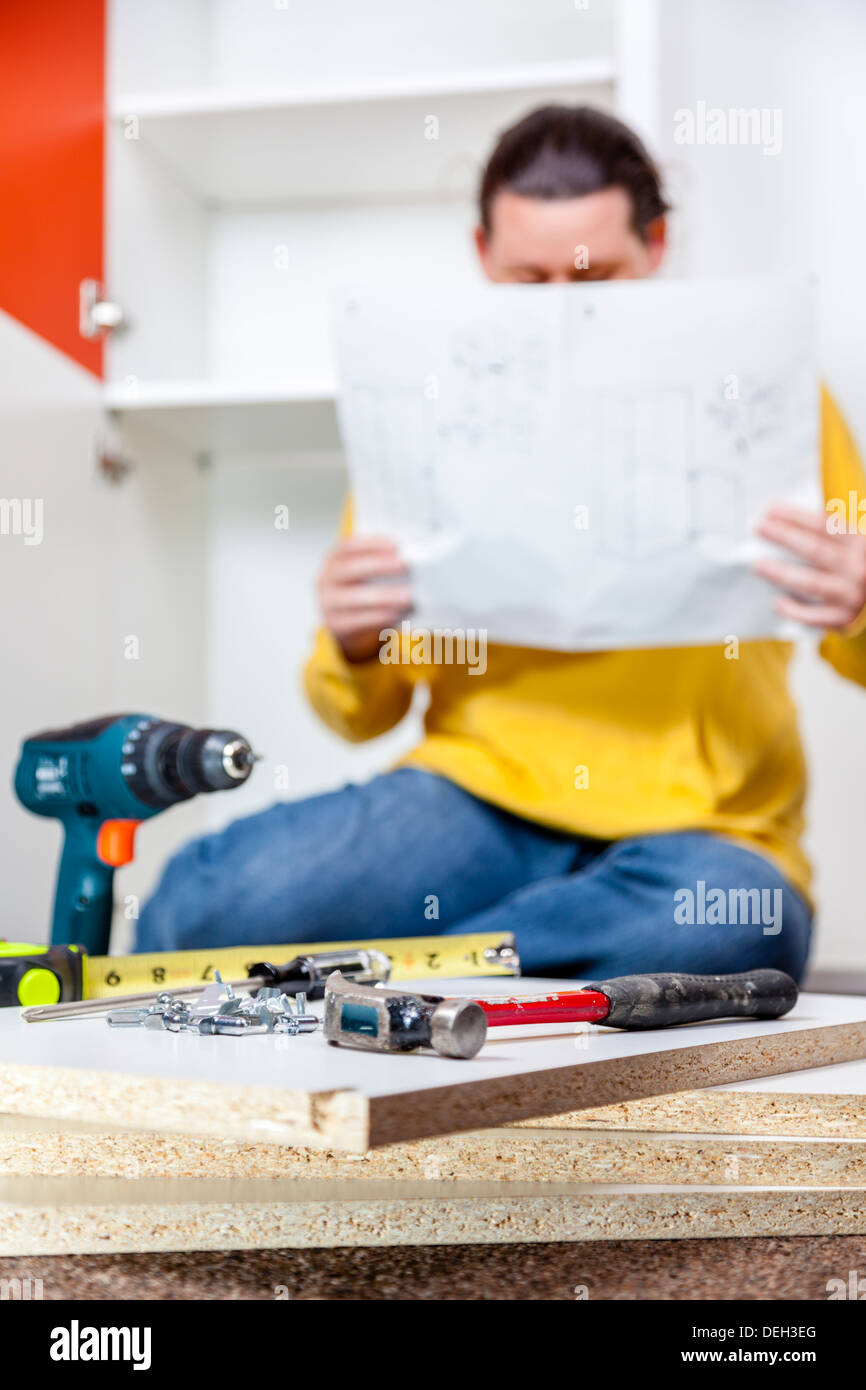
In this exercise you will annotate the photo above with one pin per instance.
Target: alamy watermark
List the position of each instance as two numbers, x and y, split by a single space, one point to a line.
736 125
23 516
720 907
77 1343
846 516
21 1290
437 646
854 1287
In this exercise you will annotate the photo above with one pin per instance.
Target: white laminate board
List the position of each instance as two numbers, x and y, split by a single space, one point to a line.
300 1090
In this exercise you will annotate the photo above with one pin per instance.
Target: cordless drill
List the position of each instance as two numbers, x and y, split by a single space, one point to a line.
101 779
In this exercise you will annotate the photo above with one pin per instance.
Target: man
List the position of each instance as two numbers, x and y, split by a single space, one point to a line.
680 849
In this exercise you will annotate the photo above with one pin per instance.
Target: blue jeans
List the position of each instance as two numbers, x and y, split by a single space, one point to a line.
411 854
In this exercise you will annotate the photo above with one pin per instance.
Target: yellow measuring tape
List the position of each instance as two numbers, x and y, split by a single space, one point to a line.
412 958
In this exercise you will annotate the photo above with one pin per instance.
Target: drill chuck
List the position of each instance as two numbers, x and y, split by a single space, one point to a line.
166 763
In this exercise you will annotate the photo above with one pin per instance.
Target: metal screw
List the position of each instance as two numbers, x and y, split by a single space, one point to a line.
229 992
126 1018
235 1025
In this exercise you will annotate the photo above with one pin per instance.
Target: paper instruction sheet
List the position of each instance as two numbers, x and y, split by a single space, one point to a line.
582 467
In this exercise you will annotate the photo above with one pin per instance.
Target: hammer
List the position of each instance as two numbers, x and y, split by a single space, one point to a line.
390 1020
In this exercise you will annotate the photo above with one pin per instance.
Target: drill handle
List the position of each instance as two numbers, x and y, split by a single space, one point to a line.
85 890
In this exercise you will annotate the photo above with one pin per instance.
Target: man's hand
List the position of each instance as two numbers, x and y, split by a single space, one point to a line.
355 602
829 590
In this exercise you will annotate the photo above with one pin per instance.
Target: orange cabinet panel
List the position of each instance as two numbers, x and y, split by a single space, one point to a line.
52 117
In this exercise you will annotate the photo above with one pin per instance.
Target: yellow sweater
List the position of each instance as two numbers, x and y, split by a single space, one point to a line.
616 743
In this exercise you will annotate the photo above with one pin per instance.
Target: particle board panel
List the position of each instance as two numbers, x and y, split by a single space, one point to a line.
43 1216
32 1147
786 1268
828 1101
301 1091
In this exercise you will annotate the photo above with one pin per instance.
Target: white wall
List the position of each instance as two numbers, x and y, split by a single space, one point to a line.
169 45
262 617
116 560
288 296
340 40
805 207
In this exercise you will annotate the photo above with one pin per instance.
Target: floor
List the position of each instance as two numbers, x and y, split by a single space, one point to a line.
795 1268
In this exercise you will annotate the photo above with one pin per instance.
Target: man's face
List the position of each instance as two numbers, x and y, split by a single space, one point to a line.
537 241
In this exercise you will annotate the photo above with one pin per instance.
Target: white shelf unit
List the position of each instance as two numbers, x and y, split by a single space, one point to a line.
259 157
215 415
359 140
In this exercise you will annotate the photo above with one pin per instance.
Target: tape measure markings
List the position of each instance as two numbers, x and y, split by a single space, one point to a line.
412 957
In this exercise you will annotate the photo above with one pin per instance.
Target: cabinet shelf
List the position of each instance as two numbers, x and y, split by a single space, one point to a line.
234 415
364 140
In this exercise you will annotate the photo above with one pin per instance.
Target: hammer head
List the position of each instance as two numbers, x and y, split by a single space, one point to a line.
391 1020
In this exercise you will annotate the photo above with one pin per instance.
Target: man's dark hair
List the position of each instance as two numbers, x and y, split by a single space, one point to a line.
567 152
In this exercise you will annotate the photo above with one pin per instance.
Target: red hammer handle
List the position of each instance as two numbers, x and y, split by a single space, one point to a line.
569 1006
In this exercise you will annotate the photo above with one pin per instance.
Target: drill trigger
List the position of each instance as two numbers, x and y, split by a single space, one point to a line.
115 843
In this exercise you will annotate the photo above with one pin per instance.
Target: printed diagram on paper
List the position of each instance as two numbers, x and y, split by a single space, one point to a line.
582 467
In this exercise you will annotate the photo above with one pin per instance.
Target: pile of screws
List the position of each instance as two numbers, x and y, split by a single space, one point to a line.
218 1009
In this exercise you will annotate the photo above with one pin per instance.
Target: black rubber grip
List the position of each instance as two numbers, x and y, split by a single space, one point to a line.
658 1001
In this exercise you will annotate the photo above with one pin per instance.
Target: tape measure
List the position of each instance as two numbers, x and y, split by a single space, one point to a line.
41 974
412 958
